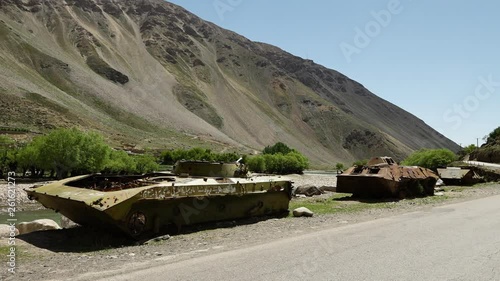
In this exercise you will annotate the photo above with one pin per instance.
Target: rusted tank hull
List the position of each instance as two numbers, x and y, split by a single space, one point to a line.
148 209
366 185
382 177
377 187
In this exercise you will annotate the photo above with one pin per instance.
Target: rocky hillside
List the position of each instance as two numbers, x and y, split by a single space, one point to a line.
490 151
148 73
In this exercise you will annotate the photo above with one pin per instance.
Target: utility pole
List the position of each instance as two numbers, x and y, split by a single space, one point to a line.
477 140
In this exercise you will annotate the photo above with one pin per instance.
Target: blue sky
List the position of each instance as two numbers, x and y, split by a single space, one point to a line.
438 60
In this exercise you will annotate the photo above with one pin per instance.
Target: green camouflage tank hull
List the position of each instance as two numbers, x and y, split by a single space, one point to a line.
147 205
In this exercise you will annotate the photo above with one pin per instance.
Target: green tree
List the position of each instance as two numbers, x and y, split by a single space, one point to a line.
146 163
360 162
72 151
339 167
256 164
431 158
169 157
467 150
93 153
6 147
279 147
120 162
493 136
28 157
278 163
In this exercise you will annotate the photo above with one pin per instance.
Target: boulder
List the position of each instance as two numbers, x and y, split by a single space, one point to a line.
67 223
302 212
7 231
328 188
440 182
308 190
37 225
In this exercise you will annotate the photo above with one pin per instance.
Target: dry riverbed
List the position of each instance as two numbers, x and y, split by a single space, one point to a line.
65 254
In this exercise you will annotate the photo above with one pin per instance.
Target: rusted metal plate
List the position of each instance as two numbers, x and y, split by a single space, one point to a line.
453 173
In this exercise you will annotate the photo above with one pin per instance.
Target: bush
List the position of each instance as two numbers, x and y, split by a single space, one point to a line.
360 163
467 150
279 147
339 167
72 151
120 162
7 148
170 157
146 163
493 136
430 158
278 163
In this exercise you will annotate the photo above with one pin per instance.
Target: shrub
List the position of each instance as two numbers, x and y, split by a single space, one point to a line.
72 151
339 167
360 162
169 157
493 136
279 147
120 162
6 154
256 164
146 163
430 158
467 150
278 163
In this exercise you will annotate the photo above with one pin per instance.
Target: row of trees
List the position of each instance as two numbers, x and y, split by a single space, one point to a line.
170 157
66 152
278 159
70 152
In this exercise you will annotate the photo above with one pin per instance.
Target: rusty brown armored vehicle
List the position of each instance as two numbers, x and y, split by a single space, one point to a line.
145 205
382 177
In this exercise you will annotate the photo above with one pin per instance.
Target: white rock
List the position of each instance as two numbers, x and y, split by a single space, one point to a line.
8 231
67 223
302 212
37 225
438 193
440 182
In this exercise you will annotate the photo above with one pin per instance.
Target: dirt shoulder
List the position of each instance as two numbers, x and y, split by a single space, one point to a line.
66 254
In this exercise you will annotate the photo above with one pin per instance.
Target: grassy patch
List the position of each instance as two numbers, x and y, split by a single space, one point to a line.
345 203
21 253
4 250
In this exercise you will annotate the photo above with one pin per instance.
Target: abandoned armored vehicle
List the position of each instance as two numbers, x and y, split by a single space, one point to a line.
383 177
146 205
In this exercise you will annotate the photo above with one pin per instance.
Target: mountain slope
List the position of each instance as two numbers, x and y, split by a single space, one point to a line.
149 73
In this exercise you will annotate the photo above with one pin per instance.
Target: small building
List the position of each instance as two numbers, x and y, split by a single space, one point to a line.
459 176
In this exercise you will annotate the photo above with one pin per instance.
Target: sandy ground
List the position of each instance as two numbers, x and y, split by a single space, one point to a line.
65 254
